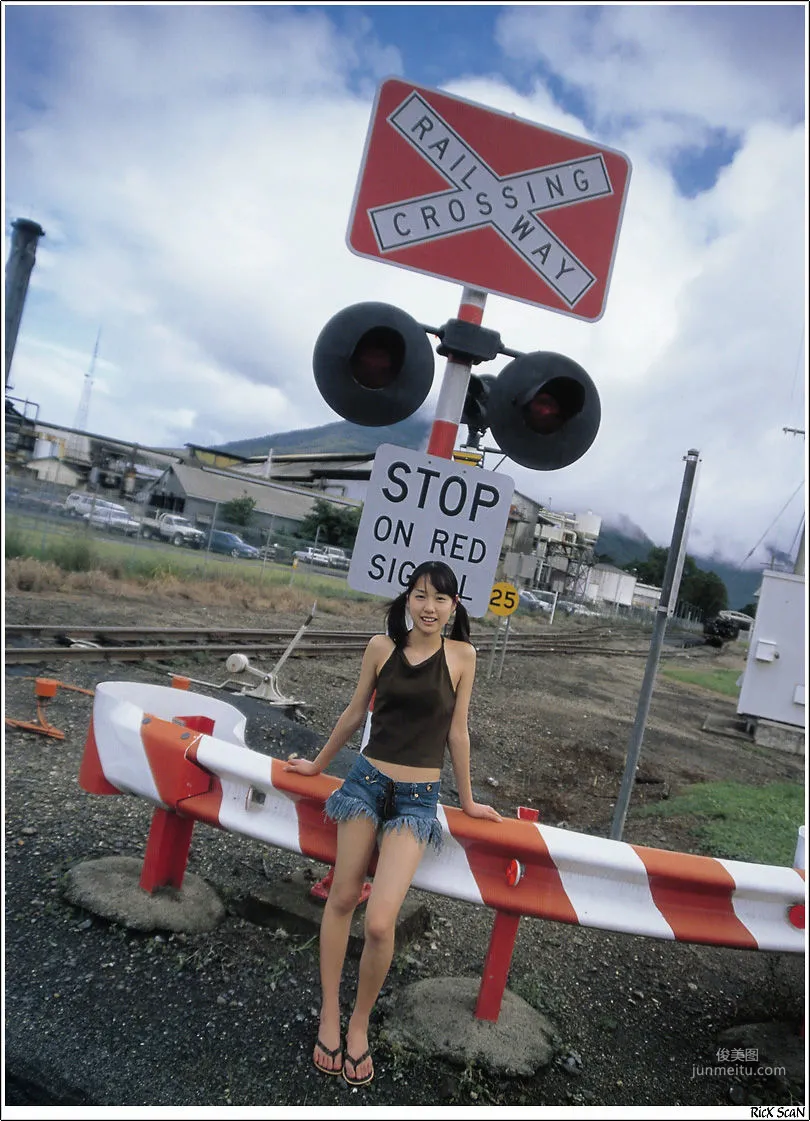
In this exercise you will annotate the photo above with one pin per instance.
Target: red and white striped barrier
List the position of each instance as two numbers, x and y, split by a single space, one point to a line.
145 740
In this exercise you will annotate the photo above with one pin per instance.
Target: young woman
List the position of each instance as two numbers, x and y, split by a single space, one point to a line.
421 685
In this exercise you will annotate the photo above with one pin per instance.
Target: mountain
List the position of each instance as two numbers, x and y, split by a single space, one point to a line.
623 542
342 436
742 584
620 539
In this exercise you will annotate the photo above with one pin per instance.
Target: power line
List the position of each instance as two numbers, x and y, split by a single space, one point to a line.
773 523
796 535
798 365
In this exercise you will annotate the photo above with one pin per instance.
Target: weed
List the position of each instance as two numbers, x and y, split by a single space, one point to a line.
70 561
717 680
473 1085
752 823
73 555
14 544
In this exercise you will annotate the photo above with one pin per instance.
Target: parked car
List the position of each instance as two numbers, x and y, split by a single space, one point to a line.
174 528
546 600
114 521
39 501
570 607
336 557
528 601
311 556
231 543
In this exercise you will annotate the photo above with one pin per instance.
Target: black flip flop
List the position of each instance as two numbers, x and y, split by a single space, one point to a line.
332 1055
355 1064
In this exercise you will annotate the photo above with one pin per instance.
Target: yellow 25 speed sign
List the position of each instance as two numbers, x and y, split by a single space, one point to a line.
504 599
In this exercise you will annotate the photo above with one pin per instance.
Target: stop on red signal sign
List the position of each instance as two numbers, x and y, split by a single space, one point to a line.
459 191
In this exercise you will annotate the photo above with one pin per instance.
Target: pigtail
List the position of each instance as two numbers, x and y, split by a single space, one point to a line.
461 624
395 624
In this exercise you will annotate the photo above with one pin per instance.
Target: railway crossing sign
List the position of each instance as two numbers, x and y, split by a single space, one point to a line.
422 507
466 193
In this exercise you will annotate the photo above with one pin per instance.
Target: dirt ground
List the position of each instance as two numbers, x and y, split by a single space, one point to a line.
635 1016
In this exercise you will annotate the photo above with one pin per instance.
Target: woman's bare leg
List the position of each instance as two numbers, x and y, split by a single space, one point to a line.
355 845
400 853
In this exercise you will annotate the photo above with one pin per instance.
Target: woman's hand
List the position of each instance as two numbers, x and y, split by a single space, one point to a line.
301 766
478 809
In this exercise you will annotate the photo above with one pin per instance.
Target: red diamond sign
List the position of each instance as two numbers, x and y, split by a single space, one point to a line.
465 193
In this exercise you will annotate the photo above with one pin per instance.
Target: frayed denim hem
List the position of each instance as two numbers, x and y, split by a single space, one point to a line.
342 807
424 829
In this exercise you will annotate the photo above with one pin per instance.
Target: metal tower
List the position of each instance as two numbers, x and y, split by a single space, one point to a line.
84 403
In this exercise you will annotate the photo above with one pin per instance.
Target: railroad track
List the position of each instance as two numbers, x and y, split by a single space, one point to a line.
27 644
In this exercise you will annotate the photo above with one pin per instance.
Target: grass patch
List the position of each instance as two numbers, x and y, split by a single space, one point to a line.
65 557
73 548
717 680
757 824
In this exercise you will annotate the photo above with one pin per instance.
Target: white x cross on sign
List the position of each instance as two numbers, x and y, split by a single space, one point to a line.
481 197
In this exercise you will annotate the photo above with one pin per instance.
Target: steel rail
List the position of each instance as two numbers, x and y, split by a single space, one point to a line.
17 655
111 634
32 655
39 629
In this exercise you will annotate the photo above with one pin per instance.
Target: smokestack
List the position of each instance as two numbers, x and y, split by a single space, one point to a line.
18 273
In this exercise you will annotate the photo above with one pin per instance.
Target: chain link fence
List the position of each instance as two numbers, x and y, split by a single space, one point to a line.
40 514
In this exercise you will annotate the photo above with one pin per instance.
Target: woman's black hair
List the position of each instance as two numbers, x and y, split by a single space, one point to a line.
443 580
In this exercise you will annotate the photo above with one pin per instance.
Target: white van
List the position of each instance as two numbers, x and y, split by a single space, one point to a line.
79 504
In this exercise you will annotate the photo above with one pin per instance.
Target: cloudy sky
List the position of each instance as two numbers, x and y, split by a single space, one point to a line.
194 169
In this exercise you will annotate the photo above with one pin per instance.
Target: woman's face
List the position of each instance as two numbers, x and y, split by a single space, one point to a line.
429 608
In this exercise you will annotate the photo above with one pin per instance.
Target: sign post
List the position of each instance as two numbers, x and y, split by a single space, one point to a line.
666 606
498 204
503 602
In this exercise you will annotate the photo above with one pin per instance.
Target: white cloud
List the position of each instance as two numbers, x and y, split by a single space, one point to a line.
711 65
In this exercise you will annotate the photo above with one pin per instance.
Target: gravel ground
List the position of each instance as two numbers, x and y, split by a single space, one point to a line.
98 1015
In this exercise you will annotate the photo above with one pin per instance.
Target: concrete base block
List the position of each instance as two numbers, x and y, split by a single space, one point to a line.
782 737
110 887
437 1017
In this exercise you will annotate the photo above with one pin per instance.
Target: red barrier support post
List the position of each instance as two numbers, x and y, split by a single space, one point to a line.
496 966
501 943
169 841
167 849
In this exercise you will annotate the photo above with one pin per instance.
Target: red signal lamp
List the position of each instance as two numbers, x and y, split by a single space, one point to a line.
377 359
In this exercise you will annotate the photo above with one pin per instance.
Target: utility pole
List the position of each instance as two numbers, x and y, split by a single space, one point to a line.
666 607
18 272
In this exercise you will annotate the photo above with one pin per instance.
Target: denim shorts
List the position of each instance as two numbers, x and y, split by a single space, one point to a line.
367 792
